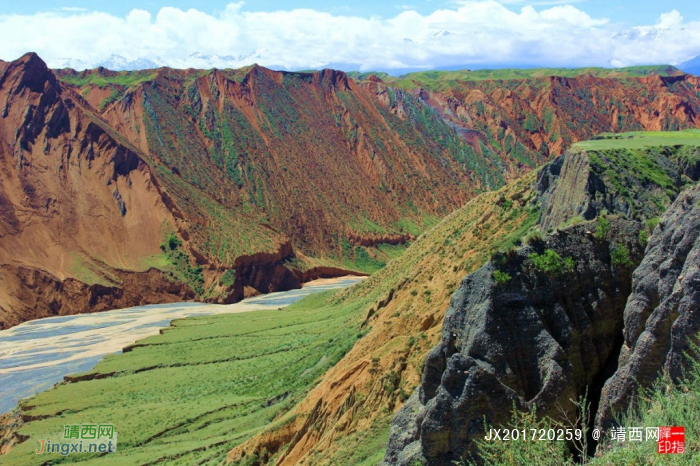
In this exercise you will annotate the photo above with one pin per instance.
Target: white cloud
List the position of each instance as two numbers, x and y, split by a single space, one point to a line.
472 33
671 19
537 2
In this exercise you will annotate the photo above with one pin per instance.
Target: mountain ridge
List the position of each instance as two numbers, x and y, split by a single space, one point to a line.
117 62
520 73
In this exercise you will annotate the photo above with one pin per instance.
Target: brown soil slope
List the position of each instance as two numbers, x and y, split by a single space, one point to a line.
65 181
312 154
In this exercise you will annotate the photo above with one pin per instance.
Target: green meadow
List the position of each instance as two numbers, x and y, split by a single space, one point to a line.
206 384
640 140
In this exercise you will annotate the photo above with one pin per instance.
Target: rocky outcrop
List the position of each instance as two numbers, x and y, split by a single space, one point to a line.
568 196
263 273
539 336
635 183
377 239
663 312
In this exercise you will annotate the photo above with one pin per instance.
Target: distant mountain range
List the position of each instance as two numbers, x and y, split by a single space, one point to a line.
691 66
196 60
199 60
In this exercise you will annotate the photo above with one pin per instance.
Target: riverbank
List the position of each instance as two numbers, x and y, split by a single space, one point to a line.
37 354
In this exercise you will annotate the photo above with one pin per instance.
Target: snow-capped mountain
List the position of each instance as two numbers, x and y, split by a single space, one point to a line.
113 62
646 33
196 60
439 34
73 63
122 63
200 60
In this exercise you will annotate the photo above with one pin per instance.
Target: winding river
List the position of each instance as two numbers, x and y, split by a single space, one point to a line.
37 354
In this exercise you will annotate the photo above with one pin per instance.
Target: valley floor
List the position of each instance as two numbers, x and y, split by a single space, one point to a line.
194 392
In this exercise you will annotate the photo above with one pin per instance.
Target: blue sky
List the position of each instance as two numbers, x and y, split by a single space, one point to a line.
632 12
365 35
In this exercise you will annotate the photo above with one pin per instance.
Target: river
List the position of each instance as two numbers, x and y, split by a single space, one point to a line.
37 354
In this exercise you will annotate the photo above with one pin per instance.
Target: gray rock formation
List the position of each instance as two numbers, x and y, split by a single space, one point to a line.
636 184
663 312
540 338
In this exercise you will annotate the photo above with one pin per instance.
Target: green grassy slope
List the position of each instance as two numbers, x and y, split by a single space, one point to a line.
121 78
643 170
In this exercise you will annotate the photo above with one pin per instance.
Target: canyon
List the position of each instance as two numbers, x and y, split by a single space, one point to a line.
128 188
120 189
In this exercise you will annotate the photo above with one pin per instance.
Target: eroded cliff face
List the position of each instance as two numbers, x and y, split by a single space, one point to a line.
76 201
663 312
30 293
388 158
542 338
311 154
525 119
599 326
